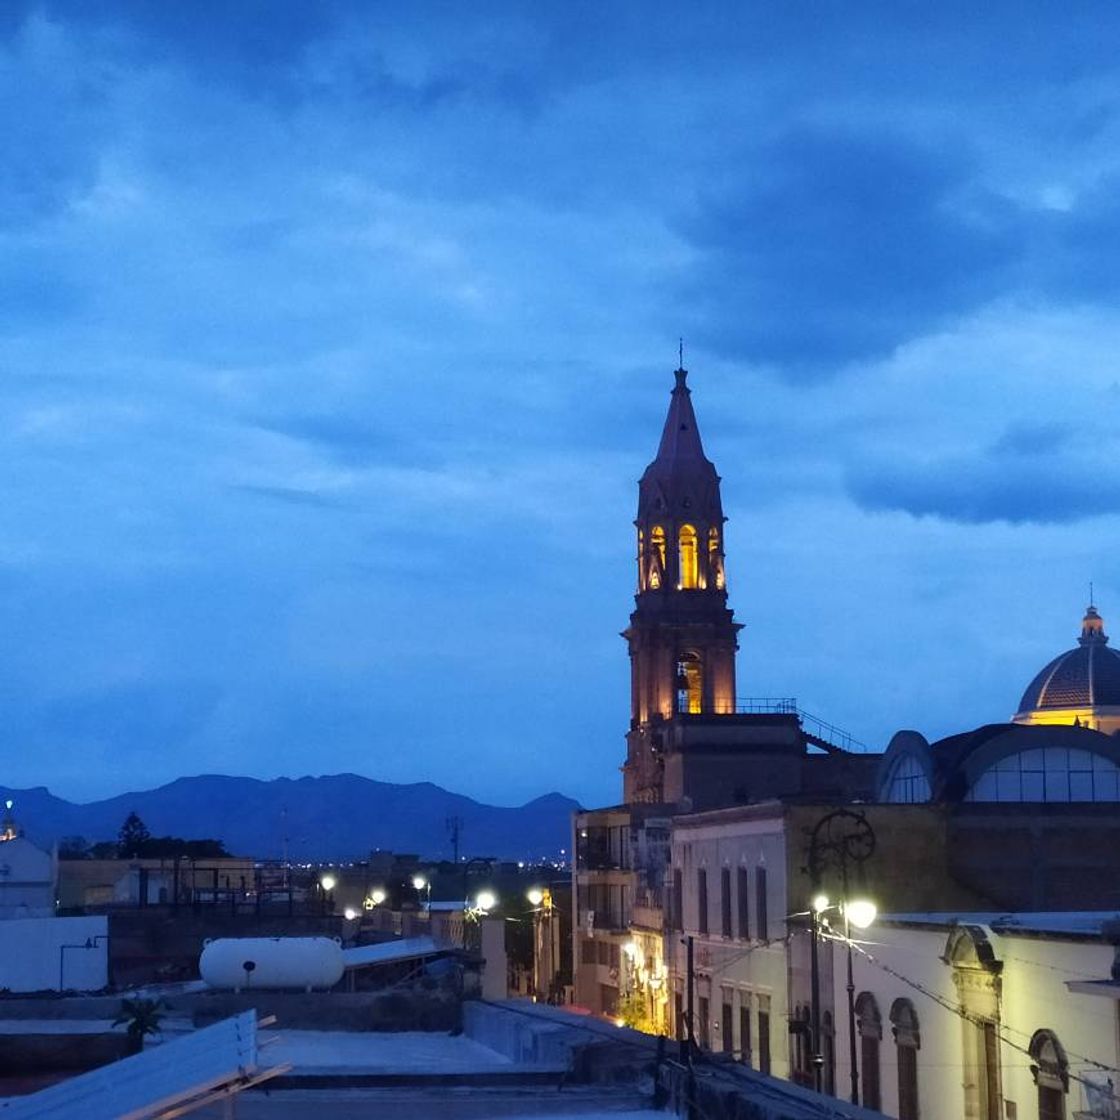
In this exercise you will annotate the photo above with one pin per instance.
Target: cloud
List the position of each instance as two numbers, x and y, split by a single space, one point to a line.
1035 473
292 496
828 247
255 45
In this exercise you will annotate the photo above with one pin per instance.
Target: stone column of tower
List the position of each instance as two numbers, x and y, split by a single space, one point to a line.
682 635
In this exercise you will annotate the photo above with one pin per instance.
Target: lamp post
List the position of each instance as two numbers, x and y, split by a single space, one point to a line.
838 839
420 883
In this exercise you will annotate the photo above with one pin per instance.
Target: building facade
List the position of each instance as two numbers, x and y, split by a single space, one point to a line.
982 1016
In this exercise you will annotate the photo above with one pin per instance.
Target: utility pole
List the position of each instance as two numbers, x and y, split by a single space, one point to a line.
690 978
815 997
454 826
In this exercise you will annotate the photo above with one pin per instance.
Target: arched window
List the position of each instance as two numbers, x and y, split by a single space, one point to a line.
1050 1069
908 1042
801 1042
641 560
907 784
657 556
1049 774
869 1024
690 568
690 685
715 560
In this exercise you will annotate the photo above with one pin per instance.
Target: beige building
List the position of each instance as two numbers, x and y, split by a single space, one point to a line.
730 898
100 883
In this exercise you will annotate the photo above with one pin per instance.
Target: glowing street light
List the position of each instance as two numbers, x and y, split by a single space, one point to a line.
377 896
349 913
535 896
328 882
486 900
419 882
860 912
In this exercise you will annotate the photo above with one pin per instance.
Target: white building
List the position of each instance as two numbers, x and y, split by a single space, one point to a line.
28 875
983 1017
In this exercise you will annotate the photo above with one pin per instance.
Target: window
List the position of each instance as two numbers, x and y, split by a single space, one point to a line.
1050 1069
705 1037
677 900
725 901
715 560
760 915
690 685
690 569
745 1028
800 1041
1049 774
907 784
744 899
657 557
678 1015
726 1023
702 900
907 1040
608 999
869 1024
642 574
764 1034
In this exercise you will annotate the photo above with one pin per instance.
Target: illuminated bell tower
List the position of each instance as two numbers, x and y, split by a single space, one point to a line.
682 635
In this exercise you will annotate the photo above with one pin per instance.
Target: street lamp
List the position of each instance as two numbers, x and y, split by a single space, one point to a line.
544 966
485 901
839 838
420 883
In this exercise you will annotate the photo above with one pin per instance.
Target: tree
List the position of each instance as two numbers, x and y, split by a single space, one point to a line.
73 847
132 838
142 1017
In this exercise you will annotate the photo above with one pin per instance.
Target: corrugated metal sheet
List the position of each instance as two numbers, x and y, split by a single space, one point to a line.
408 948
147 1085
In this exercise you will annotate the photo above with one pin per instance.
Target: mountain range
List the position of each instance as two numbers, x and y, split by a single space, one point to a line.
334 817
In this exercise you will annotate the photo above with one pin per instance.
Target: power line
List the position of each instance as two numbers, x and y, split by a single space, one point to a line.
979 1021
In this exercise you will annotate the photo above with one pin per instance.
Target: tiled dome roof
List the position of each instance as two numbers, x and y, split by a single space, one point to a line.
1087 676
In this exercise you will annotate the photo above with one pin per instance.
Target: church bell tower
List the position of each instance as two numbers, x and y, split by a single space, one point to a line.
682 635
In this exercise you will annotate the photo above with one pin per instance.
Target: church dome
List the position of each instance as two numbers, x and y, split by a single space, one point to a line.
1082 684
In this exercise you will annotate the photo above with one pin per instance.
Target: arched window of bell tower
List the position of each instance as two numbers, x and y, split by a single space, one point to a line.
641 560
715 560
657 556
690 567
690 685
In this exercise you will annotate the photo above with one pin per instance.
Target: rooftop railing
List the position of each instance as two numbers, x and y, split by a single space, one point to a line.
819 732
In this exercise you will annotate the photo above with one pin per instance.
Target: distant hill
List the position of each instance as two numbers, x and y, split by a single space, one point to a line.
335 817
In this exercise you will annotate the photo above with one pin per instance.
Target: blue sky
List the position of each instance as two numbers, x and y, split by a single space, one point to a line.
334 338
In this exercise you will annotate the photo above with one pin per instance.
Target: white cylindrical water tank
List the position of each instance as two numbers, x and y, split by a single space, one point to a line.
271 962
